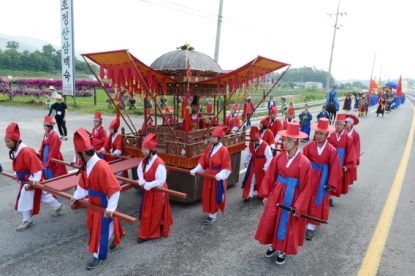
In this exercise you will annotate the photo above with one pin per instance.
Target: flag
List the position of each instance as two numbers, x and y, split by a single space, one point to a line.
372 87
399 88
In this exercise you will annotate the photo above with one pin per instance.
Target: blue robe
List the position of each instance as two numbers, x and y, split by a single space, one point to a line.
334 93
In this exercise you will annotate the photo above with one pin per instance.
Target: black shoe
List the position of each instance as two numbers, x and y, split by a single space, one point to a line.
331 202
140 240
280 258
94 263
210 220
309 234
113 246
270 252
248 199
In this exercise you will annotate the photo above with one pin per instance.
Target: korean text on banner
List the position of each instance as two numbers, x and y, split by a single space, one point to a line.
68 48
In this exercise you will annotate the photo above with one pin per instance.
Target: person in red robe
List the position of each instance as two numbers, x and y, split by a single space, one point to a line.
232 121
149 122
98 182
99 135
326 173
169 119
197 120
275 125
351 121
287 182
28 167
289 119
215 161
257 158
113 144
265 133
343 143
50 148
155 213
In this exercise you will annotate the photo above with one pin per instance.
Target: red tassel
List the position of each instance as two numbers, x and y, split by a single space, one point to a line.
109 71
155 85
184 104
187 125
149 78
116 71
101 71
125 69
164 85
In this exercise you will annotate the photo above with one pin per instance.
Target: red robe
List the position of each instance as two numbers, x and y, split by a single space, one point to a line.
257 167
155 207
54 143
345 142
233 123
356 142
285 123
111 147
98 138
149 123
28 163
268 137
213 165
268 227
330 157
168 120
276 126
195 124
101 181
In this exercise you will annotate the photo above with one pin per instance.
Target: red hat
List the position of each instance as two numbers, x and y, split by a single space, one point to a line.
234 106
209 108
82 140
98 116
148 111
323 126
167 110
48 120
293 131
265 121
254 134
12 132
340 118
273 110
150 142
290 110
219 131
353 117
115 124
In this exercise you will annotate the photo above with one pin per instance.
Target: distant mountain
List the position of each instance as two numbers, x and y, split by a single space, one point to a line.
365 82
29 43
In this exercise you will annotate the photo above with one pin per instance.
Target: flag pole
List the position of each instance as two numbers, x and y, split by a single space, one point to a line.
373 67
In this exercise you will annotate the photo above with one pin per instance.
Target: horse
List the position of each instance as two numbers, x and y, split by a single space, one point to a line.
331 109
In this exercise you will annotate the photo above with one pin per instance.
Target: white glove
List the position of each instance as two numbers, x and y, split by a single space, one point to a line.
194 171
218 176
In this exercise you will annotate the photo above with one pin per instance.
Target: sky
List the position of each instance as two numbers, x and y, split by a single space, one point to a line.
296 32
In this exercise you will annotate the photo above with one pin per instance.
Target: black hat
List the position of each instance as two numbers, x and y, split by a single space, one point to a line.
194 101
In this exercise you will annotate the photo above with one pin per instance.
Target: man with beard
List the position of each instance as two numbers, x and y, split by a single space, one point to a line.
98 182
27 167
215 161
287 182
343 143
155 214
197 120
326 173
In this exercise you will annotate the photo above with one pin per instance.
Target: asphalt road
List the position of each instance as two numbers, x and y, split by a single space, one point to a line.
58 246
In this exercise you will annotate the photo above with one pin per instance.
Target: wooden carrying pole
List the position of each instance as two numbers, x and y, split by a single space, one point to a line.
81 202
177 169
127 180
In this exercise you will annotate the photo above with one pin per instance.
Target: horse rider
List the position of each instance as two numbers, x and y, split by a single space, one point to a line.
332 93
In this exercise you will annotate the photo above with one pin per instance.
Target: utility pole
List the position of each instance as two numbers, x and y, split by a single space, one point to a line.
332 46
218 31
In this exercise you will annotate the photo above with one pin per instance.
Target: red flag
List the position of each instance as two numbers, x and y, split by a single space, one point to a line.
399 88
187 120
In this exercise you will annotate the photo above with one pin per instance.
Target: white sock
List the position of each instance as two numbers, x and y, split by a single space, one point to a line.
27 216
213 215
311 226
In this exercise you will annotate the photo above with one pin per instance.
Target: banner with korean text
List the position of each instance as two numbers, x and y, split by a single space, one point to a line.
68 48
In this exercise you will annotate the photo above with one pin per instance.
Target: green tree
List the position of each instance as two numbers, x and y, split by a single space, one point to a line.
12 45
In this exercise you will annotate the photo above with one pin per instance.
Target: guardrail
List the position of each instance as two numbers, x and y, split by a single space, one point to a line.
264 109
